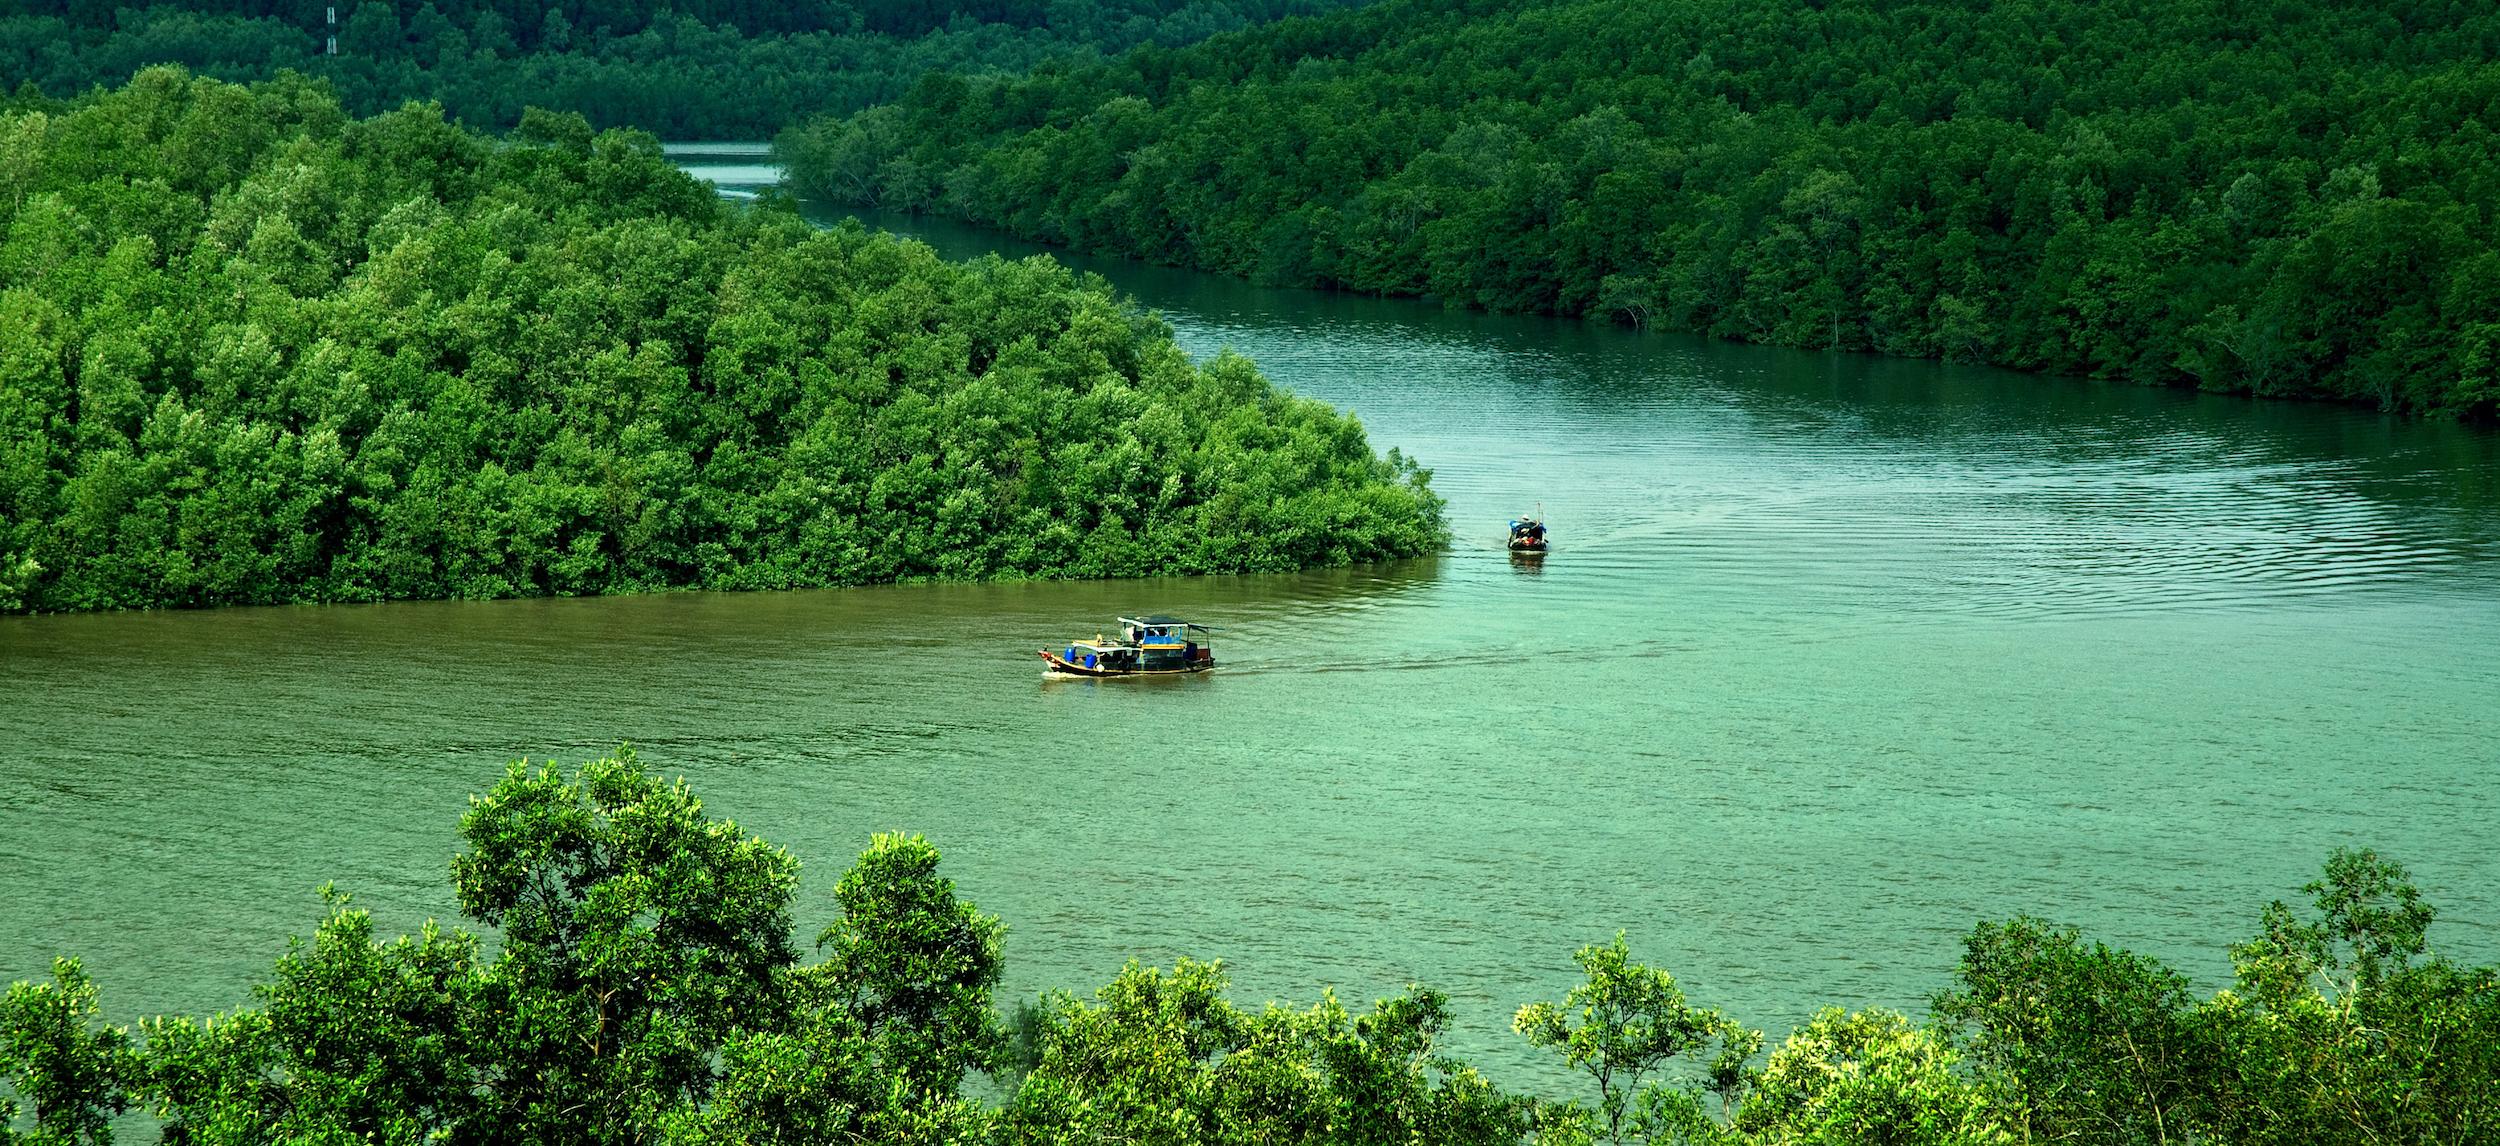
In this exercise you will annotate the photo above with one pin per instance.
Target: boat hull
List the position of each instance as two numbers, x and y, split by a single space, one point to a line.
1527 547
1062 666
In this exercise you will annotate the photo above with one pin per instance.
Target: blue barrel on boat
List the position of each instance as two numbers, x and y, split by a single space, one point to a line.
1089 660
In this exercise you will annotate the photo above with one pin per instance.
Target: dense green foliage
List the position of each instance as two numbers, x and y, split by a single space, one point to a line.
1164 1059
254 351
692 69
2290 198
531 23
1633 1020
645 988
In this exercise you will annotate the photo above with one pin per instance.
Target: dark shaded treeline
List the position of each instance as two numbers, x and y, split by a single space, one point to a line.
528 21
707 69
2281 198
252 350
645 986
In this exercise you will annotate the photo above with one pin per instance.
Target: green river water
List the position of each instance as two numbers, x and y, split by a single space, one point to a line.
1834 656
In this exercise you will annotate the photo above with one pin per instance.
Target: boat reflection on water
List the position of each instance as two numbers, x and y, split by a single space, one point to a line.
1527 543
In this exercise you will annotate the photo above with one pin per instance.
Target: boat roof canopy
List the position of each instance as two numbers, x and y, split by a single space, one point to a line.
1162 620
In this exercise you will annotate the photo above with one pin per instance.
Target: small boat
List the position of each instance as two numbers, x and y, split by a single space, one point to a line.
1527 535
1146 646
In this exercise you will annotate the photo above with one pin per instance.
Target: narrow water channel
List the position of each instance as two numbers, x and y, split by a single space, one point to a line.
1834 656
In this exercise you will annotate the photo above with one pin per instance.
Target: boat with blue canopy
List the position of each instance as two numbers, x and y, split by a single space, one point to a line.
1146 646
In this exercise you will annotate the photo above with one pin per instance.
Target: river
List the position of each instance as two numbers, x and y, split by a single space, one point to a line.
1834 657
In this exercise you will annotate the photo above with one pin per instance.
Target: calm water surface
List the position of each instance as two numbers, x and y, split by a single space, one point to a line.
1834 656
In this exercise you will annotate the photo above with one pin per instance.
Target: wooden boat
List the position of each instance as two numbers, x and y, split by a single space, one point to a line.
1146 646
1527 535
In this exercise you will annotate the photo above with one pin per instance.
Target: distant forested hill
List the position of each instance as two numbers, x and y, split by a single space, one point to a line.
687 69
2289 197
254 351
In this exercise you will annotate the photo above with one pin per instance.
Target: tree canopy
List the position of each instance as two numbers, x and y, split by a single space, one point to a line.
252 350
644 987
688 69
2269 198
